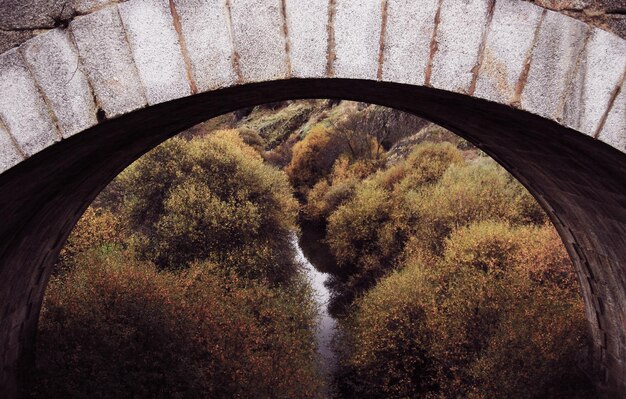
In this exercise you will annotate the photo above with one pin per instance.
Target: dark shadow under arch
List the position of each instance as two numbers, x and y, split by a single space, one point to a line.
581 182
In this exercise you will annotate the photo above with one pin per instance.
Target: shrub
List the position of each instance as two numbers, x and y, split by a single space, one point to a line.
97 229
211 199
338 188
116 327
424 165
313 158
368 231
385 340
476 323
478 191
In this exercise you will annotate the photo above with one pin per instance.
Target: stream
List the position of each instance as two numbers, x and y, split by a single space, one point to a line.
326 323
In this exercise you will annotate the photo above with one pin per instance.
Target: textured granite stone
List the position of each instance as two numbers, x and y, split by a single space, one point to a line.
9 154
108 62
459 36
507 49
56 67
357 38
207 36
31 14
410 26
307 24
156 49
614 130
22 109
259 39
87 6
10 39
560 43
597 75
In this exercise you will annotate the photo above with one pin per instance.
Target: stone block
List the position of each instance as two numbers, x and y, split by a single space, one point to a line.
597 75
357 29
10 39
508 47
22 109
259 39
409 32
204 26
9 154
108 62
156 49
560 42
459 36
31 14
56 67
614 130
87 6
307 24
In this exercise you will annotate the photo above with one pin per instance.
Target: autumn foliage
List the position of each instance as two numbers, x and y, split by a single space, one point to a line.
447 279
182 283
211 198
115 327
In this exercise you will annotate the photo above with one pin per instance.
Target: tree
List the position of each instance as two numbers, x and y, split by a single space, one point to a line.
211 198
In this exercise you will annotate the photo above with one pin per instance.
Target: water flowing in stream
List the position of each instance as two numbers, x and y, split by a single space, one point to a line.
326 323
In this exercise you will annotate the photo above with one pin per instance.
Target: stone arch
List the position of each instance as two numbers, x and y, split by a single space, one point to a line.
540 92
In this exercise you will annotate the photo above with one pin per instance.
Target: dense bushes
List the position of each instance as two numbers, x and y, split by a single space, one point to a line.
458 287
448 281
113 327
97 229
213 199
313 157
476 323
196 294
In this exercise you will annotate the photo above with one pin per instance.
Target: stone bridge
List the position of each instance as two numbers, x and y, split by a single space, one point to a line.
540 91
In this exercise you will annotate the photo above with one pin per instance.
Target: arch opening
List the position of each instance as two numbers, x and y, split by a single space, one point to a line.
578 180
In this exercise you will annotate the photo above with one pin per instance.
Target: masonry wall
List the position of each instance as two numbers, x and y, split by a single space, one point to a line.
22 19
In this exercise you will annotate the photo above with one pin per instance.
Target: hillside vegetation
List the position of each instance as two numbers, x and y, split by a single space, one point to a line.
181 280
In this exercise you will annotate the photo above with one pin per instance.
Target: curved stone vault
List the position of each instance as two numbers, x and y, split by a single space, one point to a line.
540 92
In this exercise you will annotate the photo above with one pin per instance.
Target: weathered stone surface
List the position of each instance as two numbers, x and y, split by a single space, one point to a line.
259 39
459 36
598 74
9 154
561 40
617 24
614 130
10 39
205 29
604 14
108 62
409 32
307 23
32 14
357 38
508 47
156 49
56 68
22 109
87 6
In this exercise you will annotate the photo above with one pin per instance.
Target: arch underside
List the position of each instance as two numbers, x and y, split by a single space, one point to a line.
579 181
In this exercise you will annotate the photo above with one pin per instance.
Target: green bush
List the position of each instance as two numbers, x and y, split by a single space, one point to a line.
313 158
476 323
477 191
97 229
336 189
118 328
211 199
368 232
